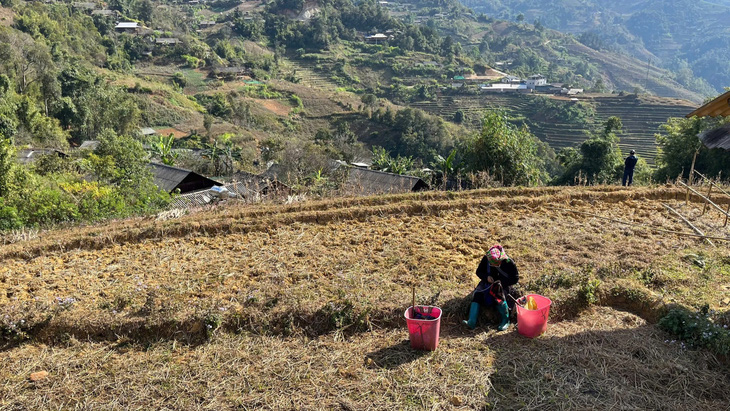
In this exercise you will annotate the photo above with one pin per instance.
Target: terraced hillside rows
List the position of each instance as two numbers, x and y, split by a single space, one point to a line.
641 117
310 75
301 306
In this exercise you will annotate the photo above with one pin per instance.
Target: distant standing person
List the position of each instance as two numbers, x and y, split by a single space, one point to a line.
629 165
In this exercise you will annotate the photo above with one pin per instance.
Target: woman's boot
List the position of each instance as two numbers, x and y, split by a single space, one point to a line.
473 315
503 311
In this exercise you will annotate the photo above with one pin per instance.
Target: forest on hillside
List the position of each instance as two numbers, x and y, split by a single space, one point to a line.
240 85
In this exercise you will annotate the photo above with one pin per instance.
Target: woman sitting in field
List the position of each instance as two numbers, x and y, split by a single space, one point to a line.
498 274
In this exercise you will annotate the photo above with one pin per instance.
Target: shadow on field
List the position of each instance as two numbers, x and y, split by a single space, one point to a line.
191 332
635 367
395 355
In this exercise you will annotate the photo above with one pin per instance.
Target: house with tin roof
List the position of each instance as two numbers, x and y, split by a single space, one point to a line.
720 136
171 178
30 155
127 26
361 181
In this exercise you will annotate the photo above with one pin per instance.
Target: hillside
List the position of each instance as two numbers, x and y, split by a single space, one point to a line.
641 116
688 37
301 305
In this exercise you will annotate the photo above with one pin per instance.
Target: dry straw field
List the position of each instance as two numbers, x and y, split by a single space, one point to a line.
301 306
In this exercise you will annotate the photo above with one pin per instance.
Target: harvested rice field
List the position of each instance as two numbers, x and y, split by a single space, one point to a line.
301 306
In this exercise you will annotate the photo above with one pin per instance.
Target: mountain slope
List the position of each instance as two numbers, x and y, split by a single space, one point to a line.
679 35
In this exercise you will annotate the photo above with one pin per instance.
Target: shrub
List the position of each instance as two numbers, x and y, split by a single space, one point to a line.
697 329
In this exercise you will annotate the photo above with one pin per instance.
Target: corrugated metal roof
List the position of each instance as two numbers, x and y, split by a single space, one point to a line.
29 155
207 196
717 138
262 184
363 181
717 107
127 25
169 178
89 144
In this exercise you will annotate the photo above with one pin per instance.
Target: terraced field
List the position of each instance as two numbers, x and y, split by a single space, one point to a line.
301 306
641 117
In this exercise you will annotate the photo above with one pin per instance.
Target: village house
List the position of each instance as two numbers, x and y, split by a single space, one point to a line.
172 179
127 27
535 81
104 12
376 38
29 155
361 181
83 6
231 72
509 79
147 131
166 41
505 88
716 137
571 91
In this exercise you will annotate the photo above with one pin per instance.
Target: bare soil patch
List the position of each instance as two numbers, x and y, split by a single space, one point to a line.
274 106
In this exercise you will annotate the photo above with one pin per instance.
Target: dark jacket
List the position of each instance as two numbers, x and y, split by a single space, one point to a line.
507 273
630 162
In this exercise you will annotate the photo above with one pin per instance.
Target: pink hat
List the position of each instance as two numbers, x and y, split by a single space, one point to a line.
496 254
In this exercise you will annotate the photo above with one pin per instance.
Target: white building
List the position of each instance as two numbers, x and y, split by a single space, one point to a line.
535 80
127 26
505 88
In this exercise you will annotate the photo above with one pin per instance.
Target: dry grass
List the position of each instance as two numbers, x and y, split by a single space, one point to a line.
300 306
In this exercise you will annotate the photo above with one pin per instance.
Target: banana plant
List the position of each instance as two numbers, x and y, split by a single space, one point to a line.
163 149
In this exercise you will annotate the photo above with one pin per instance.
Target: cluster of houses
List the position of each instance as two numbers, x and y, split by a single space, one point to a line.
194 189
536 83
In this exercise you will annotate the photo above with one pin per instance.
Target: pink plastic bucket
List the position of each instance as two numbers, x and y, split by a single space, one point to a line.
532 323
424 331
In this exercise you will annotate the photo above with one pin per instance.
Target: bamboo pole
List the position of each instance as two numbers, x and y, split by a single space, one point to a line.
706 199
709 192
692 169
711 182
691 176
696 230
413 306
640 225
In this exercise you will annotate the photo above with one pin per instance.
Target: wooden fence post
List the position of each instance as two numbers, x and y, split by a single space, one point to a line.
708 197
691 176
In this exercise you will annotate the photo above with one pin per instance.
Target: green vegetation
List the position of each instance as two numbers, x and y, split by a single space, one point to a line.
697 329
262 86
668 29
509 154
678 143
598 160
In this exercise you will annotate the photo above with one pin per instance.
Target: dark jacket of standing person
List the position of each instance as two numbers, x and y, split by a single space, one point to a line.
630 162
629 165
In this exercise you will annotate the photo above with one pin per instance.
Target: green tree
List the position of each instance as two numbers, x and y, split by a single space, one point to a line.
678 143
162 148
598 159
120 159
370 102
383 161
506 152
7 154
